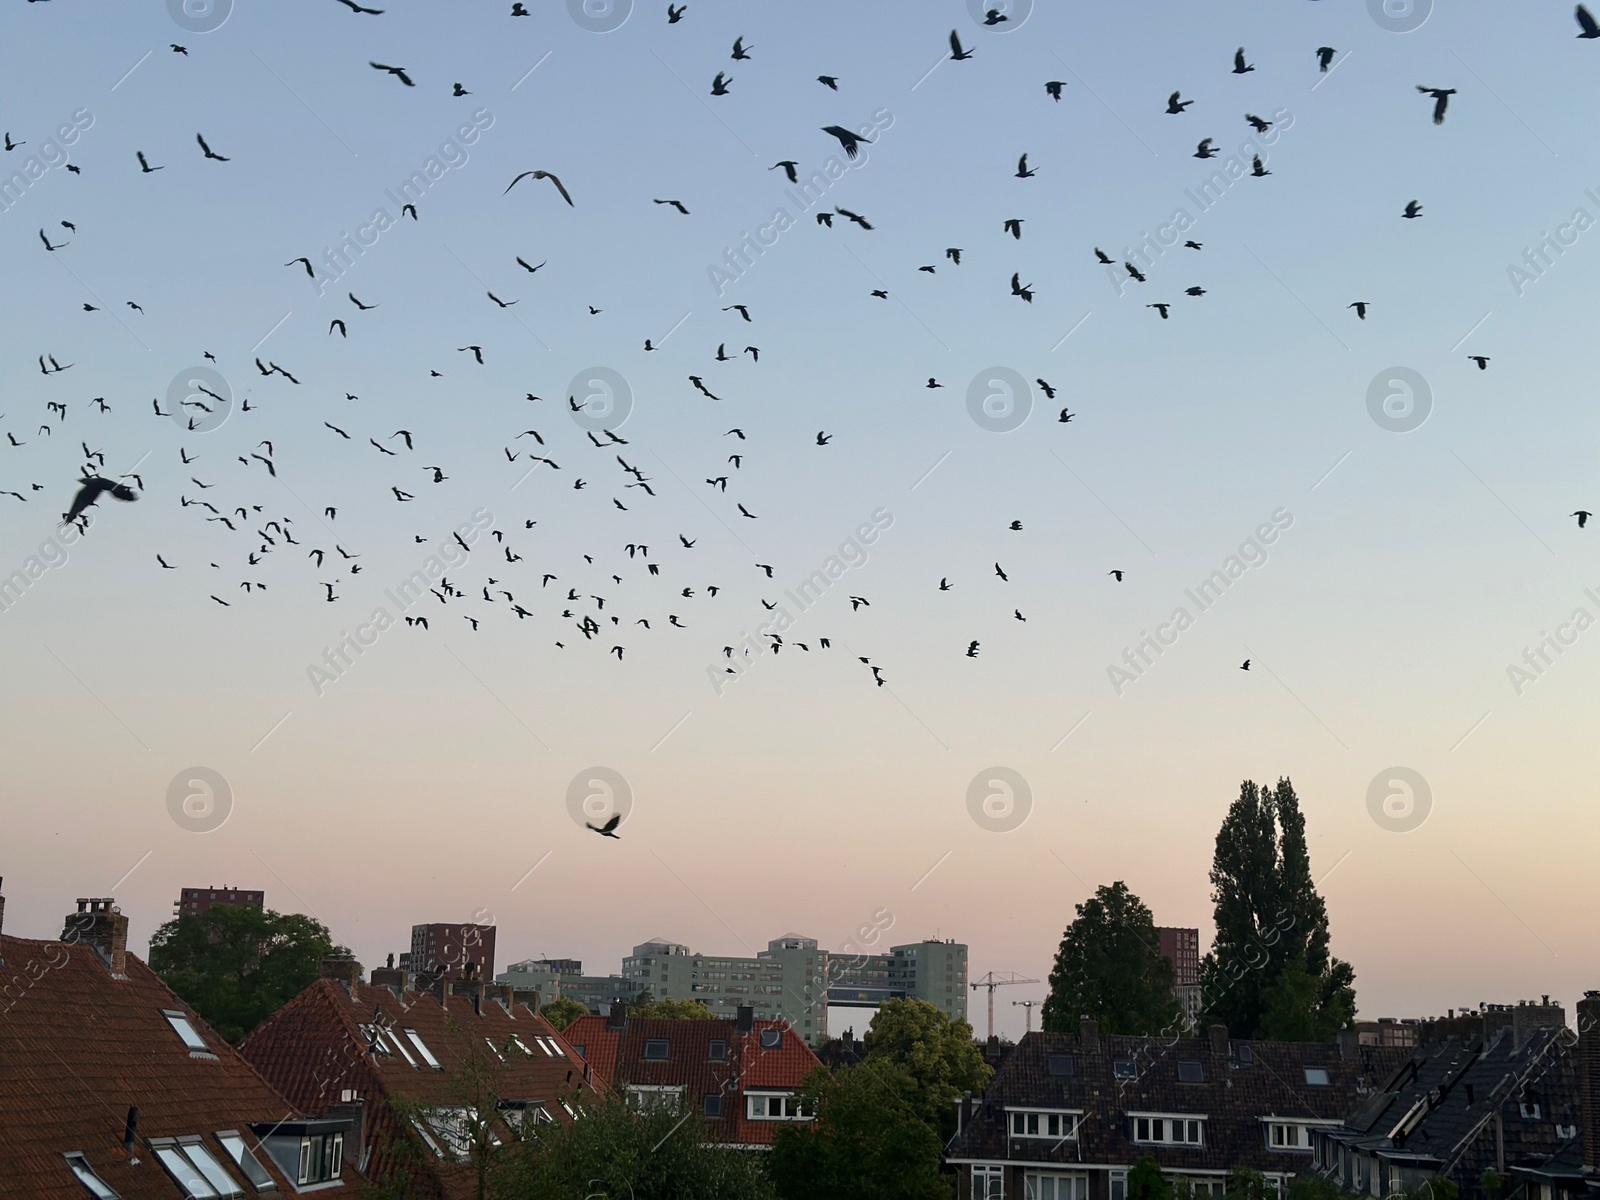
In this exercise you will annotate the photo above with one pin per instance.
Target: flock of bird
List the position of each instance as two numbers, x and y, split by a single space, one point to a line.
591 603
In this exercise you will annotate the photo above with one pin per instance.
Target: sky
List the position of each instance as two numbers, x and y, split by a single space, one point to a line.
1411 555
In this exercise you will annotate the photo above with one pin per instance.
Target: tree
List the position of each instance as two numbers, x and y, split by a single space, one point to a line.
938 1053
1146 1182
620 1153
238 965
669 1010
870 1141
1244 1183
563 1011
1270 972
1109 967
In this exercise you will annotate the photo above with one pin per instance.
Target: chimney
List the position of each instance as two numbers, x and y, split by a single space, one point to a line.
389 977
1219 1040
98 925
341 968
526 996
2 922
1589 1076
744 1018
1089 1035
966 1112
617 1018
1349 1045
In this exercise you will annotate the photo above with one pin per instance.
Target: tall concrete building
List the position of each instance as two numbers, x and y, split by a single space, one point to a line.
1181 947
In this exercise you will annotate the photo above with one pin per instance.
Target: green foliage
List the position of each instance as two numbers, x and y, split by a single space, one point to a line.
1109 967
1146 1182
870 1141
1270 972
1493 1184
939 1055
616 1153
1246 1184
672 1010
238 965
563 1011
1315 1187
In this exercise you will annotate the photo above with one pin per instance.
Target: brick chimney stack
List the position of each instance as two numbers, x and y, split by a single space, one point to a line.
1219 1040
98 925
1589 1076
342 968
617 1018
1089 1035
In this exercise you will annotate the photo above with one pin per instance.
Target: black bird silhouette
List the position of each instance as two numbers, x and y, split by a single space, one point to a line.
336 323
356 8
740 51
1022 169
1258 168
1160 308
47 243
1194 291
719 85
1259 124
788 166
144 164
398 72
972 649
1020 289
541 175
1001 573
609 829
957 54
1065 416
1413 211
500 302
1049 392
1205 149
526 267
1481 359
829 81
825 219
675 13
1013 226
1240 67
953 253
1361 308
176 49
677 204
1586 23
848 140
1245 666
310 274
1583 517
1325 55
209 153
1053 89
1176 106
458 90
1117 574
1441 100
358 304
855 218
477 352
1135 272
95 486
740 309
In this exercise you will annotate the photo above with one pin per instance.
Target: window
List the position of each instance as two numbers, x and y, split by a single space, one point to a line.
1119 1185
713 1104
184 1029
234 1144
1053 1185
988 1183
1317 1076
1185 1131
79 1166
581 1049
1125 1068
1060 1065
656 1049
322 1157
1566 1132
774 1106
496 1049
1246 1055
422 1048
1530 1110
549 1047
1043 1124
188 1176
1288 1137
1190 1071
771 1039
717 1051
647 1097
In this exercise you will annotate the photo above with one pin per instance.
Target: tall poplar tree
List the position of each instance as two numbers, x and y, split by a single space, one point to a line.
1270 972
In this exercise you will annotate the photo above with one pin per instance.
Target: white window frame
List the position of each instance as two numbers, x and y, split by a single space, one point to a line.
78 1164
789 1102
644 1096
1306 1130
189 1178
184 1028
988 1182
1143 1127
1033 1185
422 1048
206 1163
1019 1122
236 1148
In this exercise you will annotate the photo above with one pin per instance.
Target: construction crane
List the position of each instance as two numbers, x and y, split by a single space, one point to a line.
996 979
1027 1008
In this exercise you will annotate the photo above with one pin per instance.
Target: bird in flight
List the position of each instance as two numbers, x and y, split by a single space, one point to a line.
972 649
1240 67
1162 309
310 274
1175 105
1258 168
829 81
1116 574
398 72
788 166
1245 666
1481 359
1586 23
741 52
1361 308
1583 517
1325 57
356 8
1441 100
957 54
675 14
144 164
1413 210
677 204
848 140
541 175
609 829
209 153
1053 89
95 486
1205 149
1022 168
719 85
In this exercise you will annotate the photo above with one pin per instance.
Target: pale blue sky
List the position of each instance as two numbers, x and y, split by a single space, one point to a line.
427 782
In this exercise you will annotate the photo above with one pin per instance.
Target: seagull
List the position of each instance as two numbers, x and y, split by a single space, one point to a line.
846 139
1240 67
957 54
1361 308
1586 23
398 72
609 829
541 175
1441 100
209 153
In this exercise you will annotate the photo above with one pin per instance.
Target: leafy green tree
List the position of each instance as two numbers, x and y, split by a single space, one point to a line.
1146 1182
643 1005
563 1011
870 1139
617 1153
938 1053
1270 972
238 965
1109 967
1247 1184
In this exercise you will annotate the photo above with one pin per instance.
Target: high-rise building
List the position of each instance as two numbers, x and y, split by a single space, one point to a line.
1181 947
191 902
446 951
935 971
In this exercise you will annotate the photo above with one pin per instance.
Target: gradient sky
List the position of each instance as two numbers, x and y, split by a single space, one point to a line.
428 781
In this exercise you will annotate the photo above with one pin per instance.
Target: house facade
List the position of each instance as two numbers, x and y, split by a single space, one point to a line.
742 1075
1067 1116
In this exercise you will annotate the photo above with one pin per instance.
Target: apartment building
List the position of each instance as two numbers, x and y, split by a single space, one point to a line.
191 902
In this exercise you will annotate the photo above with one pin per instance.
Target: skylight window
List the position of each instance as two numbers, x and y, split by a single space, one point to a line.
206 1162
717 1050
242 1157
187 1175
549 1047
1317 1077
422 1049
184 1029
1061 1065
1190 1071
656 1049
496 1049
80 1167
1125 1068
771 1039
1246 1055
